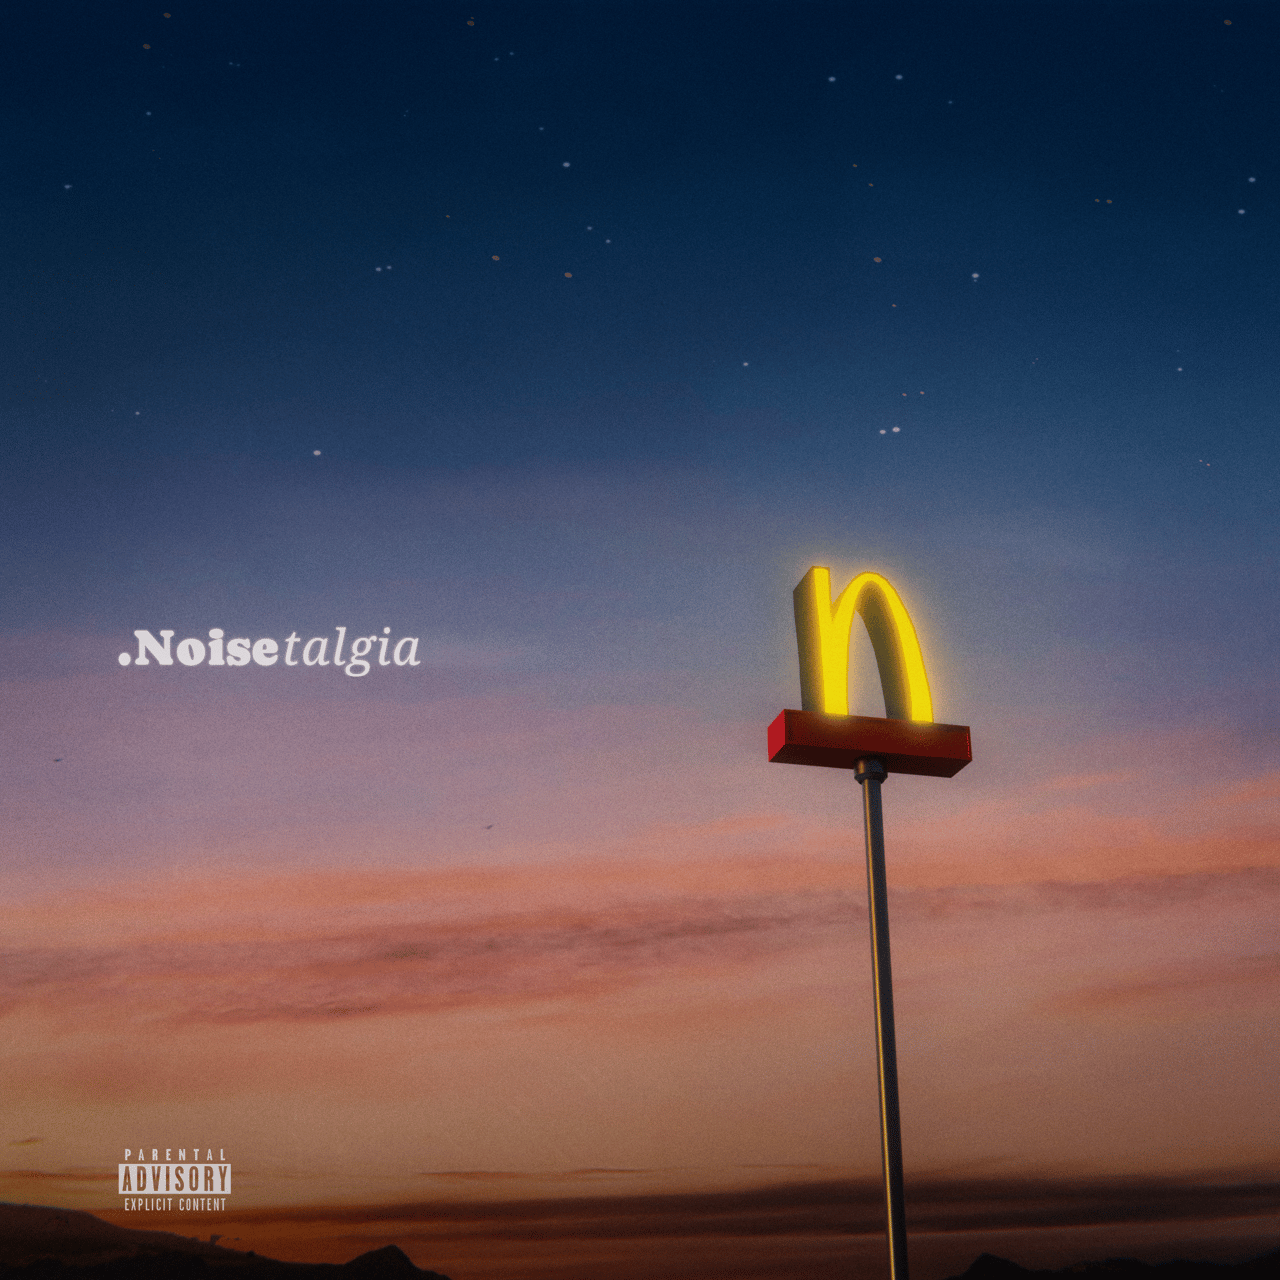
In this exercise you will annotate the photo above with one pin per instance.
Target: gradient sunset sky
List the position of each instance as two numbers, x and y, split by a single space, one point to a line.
565 338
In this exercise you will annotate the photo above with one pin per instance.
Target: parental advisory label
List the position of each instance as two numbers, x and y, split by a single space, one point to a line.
184 1178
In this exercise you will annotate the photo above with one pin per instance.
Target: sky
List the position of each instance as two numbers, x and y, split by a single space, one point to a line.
558 341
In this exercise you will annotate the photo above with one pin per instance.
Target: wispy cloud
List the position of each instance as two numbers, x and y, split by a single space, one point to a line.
1264 787
1203 981
21 1177
477 958
1082 781
341 949
831 1206
507 1175
1130 894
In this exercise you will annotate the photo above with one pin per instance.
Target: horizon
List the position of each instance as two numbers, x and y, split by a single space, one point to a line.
562 341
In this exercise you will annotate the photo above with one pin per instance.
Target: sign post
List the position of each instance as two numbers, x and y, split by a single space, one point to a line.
905 741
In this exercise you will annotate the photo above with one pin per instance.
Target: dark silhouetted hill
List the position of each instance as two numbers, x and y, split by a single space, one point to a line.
1267 1267
39 1243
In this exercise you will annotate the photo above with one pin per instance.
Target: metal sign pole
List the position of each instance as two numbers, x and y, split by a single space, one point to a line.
907 740
870 773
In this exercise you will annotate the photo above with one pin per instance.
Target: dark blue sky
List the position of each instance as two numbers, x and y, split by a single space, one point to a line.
194 307
201 280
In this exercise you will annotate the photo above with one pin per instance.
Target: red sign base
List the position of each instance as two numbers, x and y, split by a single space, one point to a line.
839 742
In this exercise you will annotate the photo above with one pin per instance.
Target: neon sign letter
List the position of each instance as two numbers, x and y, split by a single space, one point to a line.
823 630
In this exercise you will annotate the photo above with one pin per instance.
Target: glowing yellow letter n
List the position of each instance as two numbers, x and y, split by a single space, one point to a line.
822 632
